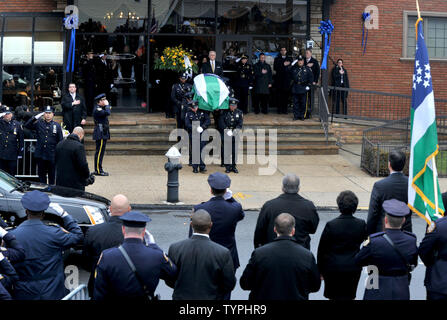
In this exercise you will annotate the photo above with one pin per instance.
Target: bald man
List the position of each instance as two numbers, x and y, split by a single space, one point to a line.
105 235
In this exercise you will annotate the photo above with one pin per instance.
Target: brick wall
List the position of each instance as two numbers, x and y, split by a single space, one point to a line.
28 6
380 69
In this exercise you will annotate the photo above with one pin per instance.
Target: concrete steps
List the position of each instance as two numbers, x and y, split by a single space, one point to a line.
142 134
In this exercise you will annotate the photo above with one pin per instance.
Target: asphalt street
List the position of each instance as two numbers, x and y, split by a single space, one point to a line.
172 226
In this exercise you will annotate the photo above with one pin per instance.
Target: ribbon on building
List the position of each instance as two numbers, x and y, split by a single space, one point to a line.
326 28
366 16
71 22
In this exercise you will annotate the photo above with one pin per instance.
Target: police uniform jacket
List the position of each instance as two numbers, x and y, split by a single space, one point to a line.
71 164
393 271
395 186
42 272
48 135
100 116
73 114
12 250
231 119
4 294
303 210
244 75
281 270
302 77
433 252
339 243
205 269
200 115
115 280
262 80
178 95
225 214
11 139
8 275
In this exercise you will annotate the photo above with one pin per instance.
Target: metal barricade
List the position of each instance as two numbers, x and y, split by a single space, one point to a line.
27 165
80 293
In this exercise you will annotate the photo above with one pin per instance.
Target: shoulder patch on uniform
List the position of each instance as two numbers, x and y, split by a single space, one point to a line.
431 227
366 242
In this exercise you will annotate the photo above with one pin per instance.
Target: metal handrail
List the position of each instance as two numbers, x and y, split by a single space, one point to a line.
80 293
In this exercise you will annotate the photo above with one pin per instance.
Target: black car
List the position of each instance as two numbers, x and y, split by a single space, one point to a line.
86 208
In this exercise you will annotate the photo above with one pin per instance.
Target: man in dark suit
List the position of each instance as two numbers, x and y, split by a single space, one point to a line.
71 164
225 214
339 243
105 235
304 212
205 268
395 186
212 66
313 64
74 111
281 66
283 269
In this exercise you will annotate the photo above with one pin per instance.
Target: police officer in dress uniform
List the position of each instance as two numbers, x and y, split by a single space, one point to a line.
179 98
132 271
243 81
230 120
301 81
433 252
42 272
393 252
196 121
101 132
48 134
11 141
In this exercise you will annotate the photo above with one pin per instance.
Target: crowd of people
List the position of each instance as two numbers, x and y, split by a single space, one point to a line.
126 263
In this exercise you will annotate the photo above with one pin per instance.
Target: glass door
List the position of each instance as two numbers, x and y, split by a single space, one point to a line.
231 48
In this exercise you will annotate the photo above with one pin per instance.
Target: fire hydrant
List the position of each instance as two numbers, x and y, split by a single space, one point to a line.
172 167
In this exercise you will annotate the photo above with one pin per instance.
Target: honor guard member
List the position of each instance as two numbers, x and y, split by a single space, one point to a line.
10 247
179 98
393 252
301 81
48 134
243 81
196 121
101 132
132 271
433 252
231 119
42 272
11 141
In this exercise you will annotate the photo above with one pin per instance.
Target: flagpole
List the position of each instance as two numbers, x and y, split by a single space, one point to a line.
419 11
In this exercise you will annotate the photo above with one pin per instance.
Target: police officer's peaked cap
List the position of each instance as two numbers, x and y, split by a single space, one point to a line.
135 219
183 75
35 201
233 101
100 96
300 57
193 104
244 57
5 109
396 208
219 180
48 109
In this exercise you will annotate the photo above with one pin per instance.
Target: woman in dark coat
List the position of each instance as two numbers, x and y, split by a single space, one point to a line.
339 243
340 79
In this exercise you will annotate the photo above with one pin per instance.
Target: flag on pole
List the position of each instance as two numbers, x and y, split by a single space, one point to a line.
423 177
154 23
211 92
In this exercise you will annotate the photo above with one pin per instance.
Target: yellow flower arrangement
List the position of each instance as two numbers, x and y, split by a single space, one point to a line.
173 59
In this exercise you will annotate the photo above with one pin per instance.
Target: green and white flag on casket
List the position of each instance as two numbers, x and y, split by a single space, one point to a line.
423 185
210 92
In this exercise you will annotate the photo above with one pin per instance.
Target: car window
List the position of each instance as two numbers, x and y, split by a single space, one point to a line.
8 182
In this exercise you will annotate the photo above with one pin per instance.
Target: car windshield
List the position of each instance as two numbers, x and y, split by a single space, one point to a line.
8 182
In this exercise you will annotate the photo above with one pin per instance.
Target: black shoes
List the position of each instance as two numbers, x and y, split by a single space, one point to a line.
227 170
235 170
102 173
203 170
194 170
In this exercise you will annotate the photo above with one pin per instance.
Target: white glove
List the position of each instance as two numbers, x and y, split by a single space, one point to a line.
230 133
238 59
293 63
199 129
39 115
59 210
111 85
148 238
249 88
157 81
2 232
2 114
307 88
228 194
1 256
